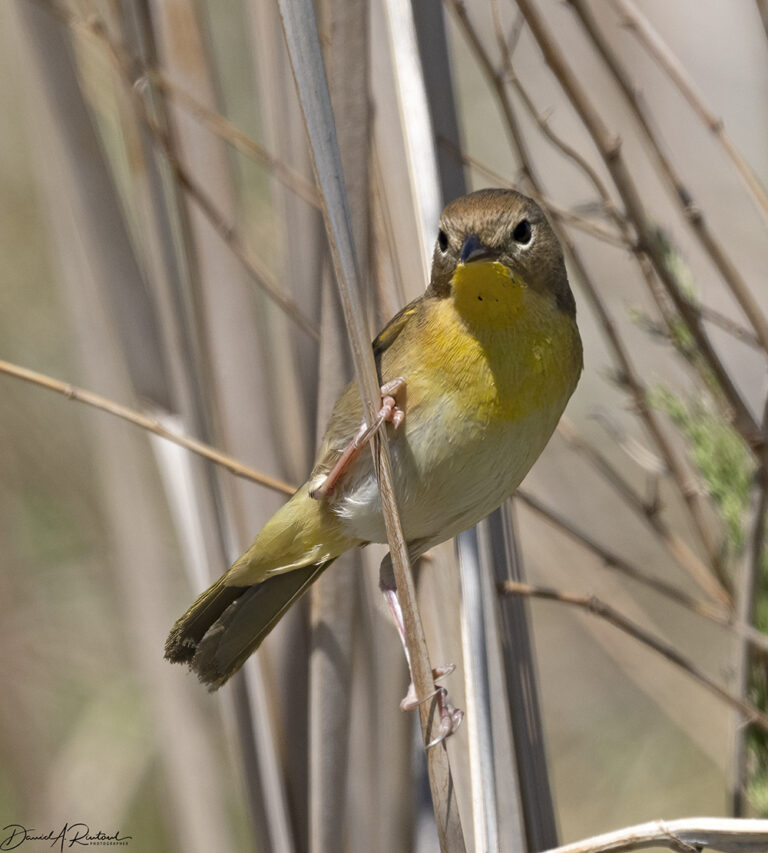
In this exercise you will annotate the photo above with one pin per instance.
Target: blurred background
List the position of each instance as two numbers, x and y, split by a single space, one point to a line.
162 245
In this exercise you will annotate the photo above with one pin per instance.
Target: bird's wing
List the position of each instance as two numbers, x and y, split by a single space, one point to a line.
392 330
347 414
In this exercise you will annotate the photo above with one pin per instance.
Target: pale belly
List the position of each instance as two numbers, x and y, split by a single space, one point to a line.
448 474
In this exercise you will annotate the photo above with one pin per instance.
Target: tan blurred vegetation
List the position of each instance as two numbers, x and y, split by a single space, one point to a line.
106 536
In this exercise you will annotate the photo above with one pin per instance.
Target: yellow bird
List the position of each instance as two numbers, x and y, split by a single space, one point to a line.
487 359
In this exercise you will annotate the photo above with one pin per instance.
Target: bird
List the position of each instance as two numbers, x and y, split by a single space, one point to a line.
475 374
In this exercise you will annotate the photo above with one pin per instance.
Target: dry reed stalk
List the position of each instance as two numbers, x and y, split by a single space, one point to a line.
426 102
237 375
687 834
306 57
336 623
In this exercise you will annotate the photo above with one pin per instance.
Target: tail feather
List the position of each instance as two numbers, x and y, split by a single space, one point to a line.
182 642
227 624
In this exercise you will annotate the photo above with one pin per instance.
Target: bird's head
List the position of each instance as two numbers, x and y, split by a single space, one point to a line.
502 226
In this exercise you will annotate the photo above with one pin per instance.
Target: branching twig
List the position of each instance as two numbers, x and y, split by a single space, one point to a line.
599 608
647 512
152 425
650 39
609 146
630 377
615 561
723 618
688 835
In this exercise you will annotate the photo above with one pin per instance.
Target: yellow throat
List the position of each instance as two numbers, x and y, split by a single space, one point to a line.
507 346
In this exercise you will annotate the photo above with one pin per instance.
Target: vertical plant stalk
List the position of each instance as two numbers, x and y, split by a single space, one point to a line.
419 58
306 58
335 618
762 8
415 123
537 807
750 575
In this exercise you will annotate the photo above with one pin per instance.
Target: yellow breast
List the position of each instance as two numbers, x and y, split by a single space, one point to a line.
499 349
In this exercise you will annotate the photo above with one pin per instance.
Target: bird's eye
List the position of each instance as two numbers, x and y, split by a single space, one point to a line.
442 240
522 233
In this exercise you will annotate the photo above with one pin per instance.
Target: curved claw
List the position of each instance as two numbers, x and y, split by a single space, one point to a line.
450 716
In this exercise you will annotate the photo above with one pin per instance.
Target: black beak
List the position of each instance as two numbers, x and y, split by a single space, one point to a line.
474 250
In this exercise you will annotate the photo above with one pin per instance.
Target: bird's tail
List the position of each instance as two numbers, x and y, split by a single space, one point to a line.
228 623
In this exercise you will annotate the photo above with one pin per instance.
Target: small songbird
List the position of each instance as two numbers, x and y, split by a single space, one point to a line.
475 374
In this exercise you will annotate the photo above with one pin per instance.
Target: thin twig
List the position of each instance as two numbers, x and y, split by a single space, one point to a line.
723 618
734 329
568 151
246 145
649 512
614 561
562 214
301 34
652 41
599 608
609 146
152 425
687 835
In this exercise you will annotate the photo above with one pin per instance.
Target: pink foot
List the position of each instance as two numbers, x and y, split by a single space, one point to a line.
450 717
389 412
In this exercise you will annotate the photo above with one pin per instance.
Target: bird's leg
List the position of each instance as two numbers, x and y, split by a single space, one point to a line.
389 412
450 716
